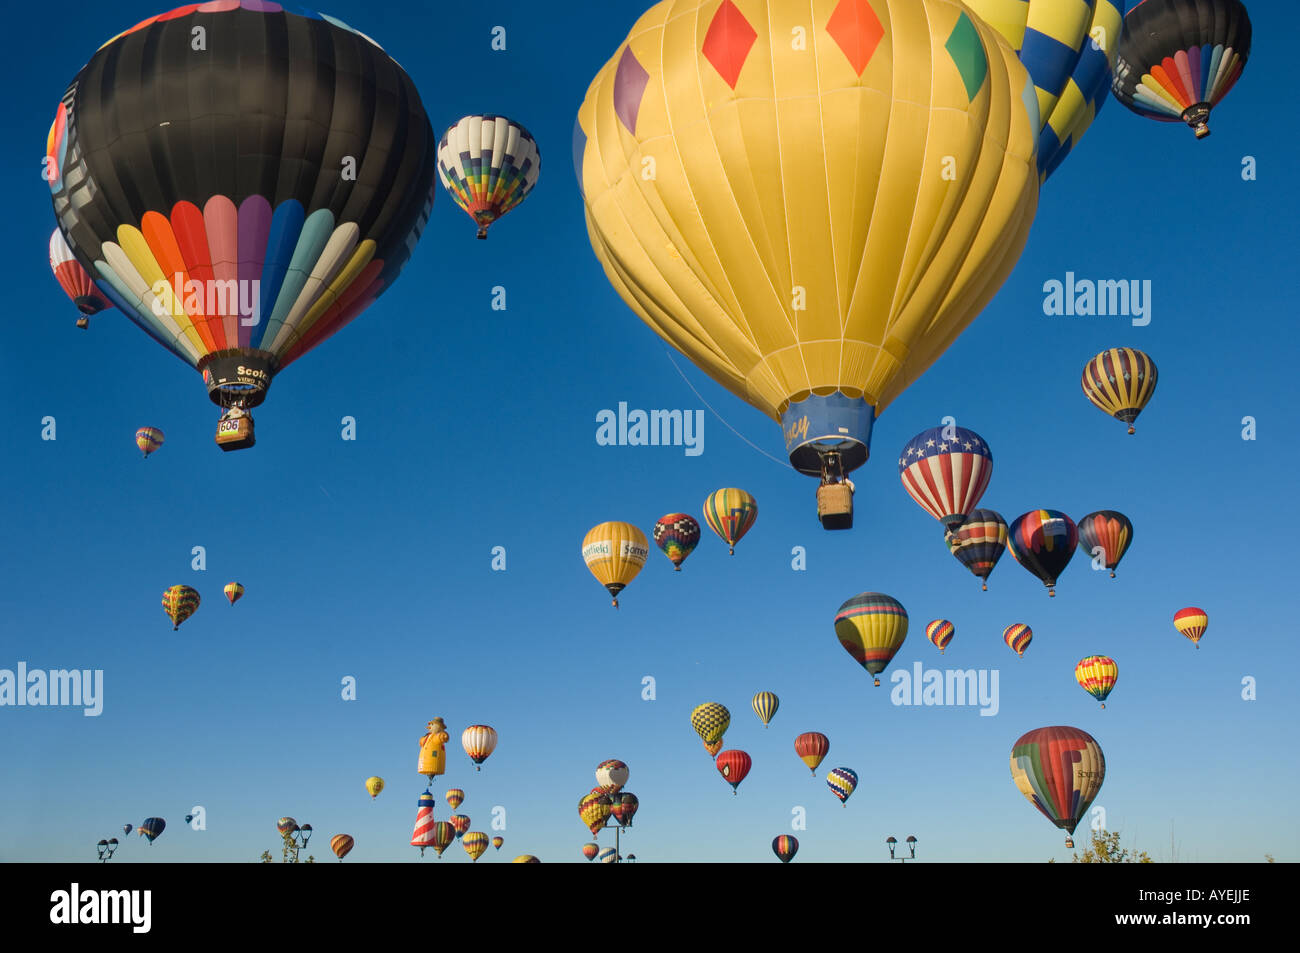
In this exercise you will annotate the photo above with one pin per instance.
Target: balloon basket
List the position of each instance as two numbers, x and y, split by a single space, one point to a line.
835 506
235 434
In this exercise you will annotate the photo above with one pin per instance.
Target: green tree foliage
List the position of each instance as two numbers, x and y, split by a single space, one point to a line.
1105 849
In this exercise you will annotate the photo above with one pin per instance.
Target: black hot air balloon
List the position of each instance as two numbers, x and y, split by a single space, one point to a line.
1109 531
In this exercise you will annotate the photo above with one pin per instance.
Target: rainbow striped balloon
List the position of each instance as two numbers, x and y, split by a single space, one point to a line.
940 632
1018 636
842 782
148 439
730 513
1096 675
475 843
785 847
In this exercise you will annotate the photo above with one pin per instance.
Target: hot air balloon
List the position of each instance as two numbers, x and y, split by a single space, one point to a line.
180 602
1068 49
454 798
152 828
765 705
475 843
1120 381
946 470
785 847
341 844
713 747
615 553
479 741
148 439
498 841
1043 542
710 722
75 281
871 626
594 809
1018 636
608 856
443 834
286 825
234 592
433 749
526 859
940 633
488 164
1178 58
374 786
1107 534
623 807
612 775
126 829
188 818
733 765
460 823
1192 622
847 263
979 542
1096 675
811 747
730 513
677 535
422 837
220 223
842 782
1060 771
590 851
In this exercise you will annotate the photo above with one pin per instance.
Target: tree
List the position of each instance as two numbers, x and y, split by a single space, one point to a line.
1105 849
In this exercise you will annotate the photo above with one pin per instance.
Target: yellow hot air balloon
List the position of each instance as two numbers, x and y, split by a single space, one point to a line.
615 553
374 786
475 842
710 722
811 224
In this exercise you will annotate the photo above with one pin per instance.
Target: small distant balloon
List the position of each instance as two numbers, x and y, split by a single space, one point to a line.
734 766
590 851
1120 382
234 592
614 553
454 798
1018 636
152 828
479 741
677 535
731 514
765 705
475 843
341 844
871 627
498 841
1107 530
374 786
1043 542
460 823
1097 675
148 439
785 847
608 856
811 747
710 721
180 602
1192 622
612 774
842 782
940 633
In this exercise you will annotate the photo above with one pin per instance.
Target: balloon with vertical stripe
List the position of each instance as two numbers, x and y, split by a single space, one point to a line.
479 741
1097 675
946 470
785 847
730 513
1060 771
734 767
811 747
614 553
1120 381
488 164
75 280
1192 622
765 705
1108 534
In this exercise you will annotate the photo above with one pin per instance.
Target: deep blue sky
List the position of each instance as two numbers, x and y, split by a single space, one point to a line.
477 429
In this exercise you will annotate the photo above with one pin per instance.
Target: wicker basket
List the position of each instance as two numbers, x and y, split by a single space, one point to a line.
835 506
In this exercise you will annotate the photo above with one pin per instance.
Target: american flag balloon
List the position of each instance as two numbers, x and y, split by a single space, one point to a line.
946 470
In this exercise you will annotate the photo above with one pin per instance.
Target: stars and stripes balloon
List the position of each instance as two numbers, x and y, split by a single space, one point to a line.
677 535
940 633
488 164
1059 770
811 747
730 513
1192 622
1097 675
1106 534
1120 381
1018 636
180 602
871 626
842 782
1043 542
979 542
946 470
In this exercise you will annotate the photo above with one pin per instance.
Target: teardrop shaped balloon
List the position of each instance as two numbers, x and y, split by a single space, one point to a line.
1179 58
785 847
1060 771
152 828
713 747
242 226
1068 49
488 164
454 798
498 841
615 553
730 513
710 721
1120 381
149 439
677 535
1043 542
526 859
765 705
612 774
459 823
180 602
373 786
811 747
479 741
608 856
946 470
871 626
1018 636
475 843
846 263
590 851
623 807
940 633
1108 534
594 809
126 828
234 592
444 832
842 782
75 280
286 825
342 845
979 542
734 766
1192 622
1097 675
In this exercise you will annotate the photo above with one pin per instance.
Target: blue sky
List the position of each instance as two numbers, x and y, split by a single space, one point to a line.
476 428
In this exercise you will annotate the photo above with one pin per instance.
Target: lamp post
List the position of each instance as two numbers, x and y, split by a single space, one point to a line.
911 846
106 849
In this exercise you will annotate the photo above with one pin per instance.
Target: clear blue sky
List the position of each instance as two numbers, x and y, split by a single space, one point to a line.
476 428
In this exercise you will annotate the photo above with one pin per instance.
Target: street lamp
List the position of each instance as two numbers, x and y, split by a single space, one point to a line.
911 846
106 849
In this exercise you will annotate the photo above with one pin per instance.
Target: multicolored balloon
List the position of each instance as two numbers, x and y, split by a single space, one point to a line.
1178 58
286 825
623 807
443 834
488 164
526 859
608 856
1108 534
342 845
422 836
871 626
811 747
180 602
677 535
734 765
75 281
475 843
373 786
979 542
149 439
152 828
730 513
946 470
614 553
713 747
459 823
479 741
498 841
1096 675
1192 622
234 592
1060 771
594 809
612 775
590 851
710 722
765 705
940 633
454 798
1018 636
842 782
1043 542
785 847
1120 381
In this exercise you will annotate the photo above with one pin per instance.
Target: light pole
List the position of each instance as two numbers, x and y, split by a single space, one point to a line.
106 849
911 846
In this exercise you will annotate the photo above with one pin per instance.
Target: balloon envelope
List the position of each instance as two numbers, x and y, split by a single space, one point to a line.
1043 542
946 470
149 439
341 844
488 164
1120 382
842 782
811 747
871 626
1018 636
677 535
785 847
940 633
730 513
1106 533
734 765
979 542
1192 622
180 602
710 721
1097 675
614 553
374 785
1060 771
765 705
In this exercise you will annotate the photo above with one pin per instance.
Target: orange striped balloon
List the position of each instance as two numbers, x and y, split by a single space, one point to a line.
1018 637
1192 622
730 513
341 844
1096 675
